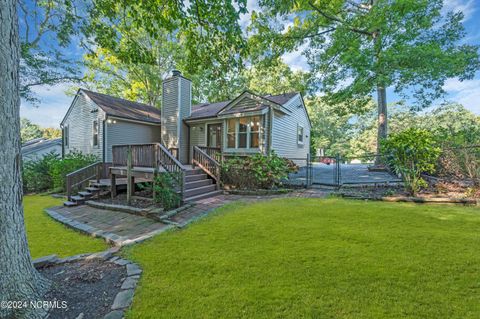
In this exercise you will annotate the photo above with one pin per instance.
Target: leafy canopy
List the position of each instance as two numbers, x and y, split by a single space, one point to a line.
355 46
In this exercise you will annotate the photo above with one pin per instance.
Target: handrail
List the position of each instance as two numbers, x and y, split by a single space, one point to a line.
213 152
82 175
208 164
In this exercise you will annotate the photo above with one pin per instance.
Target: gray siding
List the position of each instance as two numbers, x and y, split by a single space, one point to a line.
39 154
176 105
80 125
197 137
125 132
284 131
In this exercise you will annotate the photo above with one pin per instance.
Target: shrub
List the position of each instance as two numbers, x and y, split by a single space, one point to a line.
165 191
36 173
70 163
411 153
257 171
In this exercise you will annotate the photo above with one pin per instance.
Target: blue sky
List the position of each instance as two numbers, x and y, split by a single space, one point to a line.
54 102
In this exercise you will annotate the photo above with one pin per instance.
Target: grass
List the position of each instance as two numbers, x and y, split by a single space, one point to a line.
310 258
47 237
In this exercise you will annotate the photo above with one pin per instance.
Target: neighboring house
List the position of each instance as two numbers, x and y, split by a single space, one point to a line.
248 124
37 148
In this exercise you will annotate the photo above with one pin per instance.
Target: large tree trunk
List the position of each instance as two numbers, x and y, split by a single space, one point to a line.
382 116
18 278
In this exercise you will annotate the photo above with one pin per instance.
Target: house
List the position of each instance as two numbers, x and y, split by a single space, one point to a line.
37 148
246 125
138 141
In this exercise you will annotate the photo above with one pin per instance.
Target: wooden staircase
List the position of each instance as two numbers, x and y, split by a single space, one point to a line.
198 185
86 194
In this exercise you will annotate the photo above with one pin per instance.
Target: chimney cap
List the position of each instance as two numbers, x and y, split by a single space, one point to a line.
176 73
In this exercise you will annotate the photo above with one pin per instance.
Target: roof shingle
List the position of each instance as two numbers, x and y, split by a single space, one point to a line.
118 107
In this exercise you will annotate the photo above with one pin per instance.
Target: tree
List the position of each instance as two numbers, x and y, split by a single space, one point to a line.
51 133
275 77
203 39
47 28
357 48
19 280
29 131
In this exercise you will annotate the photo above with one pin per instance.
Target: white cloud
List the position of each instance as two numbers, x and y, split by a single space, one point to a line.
252 5
53 105
465 6
296 60
466 93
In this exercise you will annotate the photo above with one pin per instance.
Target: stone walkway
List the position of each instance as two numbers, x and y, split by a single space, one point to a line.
122 229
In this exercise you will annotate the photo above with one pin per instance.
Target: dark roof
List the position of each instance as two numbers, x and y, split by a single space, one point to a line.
38 144
118 107
211 109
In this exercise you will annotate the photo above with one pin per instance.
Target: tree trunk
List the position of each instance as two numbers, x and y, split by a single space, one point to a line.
19 281
382 115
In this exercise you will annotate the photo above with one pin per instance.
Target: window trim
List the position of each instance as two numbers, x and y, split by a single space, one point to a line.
95 134
248 133
302 142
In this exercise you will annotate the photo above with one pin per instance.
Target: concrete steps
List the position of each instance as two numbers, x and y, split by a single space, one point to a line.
203 196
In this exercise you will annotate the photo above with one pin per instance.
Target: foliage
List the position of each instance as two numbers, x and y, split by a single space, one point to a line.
411 153
165 193
68 164
339 257
47 237
46 31
29 131
256 171
51 133
36 173
356 49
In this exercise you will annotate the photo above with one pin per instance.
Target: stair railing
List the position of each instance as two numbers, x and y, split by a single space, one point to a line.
207 163
80 177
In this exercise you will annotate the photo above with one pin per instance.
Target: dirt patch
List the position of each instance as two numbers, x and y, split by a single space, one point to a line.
87 287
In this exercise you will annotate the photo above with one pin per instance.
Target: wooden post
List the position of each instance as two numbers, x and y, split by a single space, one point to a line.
129 175
113 186
155 174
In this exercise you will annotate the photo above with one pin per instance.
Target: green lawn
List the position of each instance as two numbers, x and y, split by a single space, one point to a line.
46 236
309 258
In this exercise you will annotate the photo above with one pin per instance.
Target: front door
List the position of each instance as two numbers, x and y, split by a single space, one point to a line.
214 135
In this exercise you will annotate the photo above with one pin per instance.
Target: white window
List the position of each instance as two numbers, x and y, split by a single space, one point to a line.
95 133
244 132
300 134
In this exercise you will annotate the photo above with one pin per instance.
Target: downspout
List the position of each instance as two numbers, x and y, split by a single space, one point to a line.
104 138
63 140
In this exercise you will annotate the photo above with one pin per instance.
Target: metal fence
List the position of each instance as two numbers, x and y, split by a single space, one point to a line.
303 176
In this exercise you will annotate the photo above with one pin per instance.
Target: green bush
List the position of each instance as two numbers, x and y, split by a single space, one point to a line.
36 173
165 194
70 163
411 153
256 171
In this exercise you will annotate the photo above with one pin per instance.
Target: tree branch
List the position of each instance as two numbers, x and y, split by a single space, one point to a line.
338 20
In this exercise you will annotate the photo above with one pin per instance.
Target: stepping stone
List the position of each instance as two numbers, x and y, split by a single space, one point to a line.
116 314
130 283
123 299
133 269
121 262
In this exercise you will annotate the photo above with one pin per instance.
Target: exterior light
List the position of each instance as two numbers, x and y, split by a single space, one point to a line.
109 121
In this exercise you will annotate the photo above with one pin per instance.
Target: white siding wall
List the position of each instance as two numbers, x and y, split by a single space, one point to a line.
284 131
80 126
197 137
125 132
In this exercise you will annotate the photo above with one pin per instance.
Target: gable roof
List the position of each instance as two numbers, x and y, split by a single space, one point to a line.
206 110
122 108
39 144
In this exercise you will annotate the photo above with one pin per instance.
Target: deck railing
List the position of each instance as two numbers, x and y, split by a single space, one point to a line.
79 178
213 152
153 155
206 162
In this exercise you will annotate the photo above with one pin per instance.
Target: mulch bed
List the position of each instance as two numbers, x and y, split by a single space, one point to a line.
121 199
88 287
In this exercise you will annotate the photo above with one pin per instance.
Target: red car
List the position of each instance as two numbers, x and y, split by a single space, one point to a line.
326 160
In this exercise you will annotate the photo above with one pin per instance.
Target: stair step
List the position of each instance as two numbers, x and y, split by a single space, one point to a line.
194 171
199 183
196 177
78 199
93 189
85 194
200 190
203 196
69 204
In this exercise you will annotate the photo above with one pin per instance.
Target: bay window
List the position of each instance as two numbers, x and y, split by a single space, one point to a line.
244 132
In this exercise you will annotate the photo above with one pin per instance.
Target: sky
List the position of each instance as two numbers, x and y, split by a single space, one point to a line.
54 102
